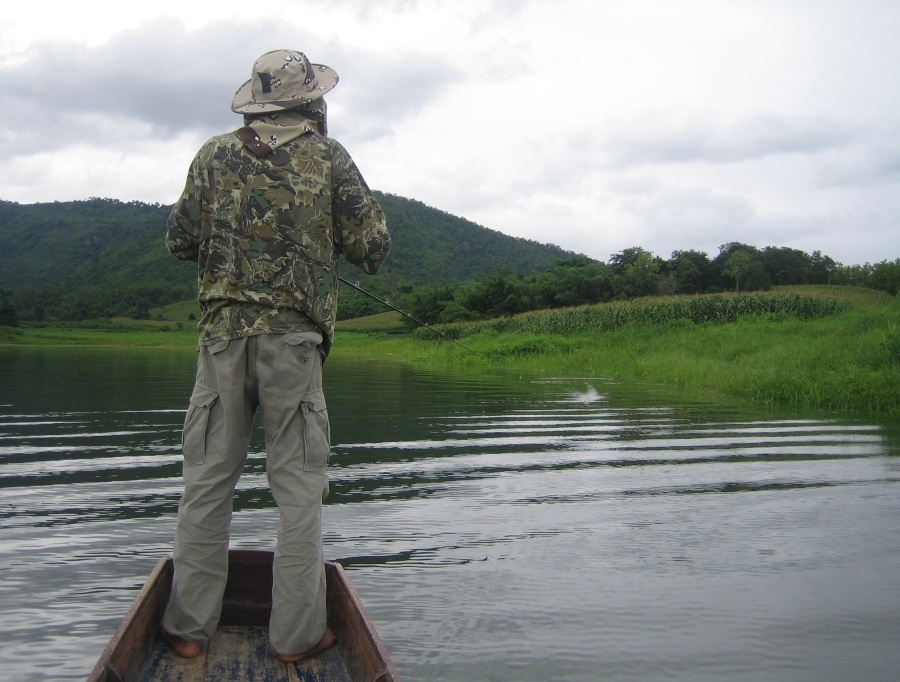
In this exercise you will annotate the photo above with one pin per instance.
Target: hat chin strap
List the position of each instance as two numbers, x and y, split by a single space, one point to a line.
323 123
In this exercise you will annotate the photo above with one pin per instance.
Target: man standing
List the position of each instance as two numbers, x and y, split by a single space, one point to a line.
265 213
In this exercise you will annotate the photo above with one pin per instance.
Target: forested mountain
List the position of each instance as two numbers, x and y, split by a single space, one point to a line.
62 242
431 246
103 257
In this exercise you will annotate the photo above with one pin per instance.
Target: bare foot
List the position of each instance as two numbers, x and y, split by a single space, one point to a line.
327 641
183 647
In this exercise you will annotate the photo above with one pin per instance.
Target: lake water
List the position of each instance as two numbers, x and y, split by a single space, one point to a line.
498 526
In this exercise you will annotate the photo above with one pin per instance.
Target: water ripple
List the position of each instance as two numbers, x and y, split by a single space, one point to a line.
548 530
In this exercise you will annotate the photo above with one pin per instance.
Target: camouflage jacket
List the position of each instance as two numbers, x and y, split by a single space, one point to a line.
266 232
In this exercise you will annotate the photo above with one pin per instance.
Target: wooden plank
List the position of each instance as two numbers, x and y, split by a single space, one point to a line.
362 651
327 666
133 641
248 592
243 653
165 664
358 655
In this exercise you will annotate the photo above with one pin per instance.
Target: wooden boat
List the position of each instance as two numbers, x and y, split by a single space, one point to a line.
240 650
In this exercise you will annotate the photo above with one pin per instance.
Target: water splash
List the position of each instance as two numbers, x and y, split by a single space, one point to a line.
588 397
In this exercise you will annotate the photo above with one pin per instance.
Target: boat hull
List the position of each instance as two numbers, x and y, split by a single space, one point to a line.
137 653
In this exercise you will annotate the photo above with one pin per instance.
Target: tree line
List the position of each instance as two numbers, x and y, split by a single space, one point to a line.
578 280
636 272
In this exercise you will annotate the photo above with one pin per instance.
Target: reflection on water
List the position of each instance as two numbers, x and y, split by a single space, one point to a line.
497 526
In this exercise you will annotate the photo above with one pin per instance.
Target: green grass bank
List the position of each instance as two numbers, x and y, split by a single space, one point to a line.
825 349
831 350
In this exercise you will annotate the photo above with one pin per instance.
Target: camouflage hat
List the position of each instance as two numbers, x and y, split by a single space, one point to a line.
283 79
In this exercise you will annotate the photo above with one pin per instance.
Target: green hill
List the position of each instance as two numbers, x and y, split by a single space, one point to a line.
103 257
62 242
434 247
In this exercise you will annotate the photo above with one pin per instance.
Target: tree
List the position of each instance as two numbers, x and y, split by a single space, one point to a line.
428 304
619 261
639 278
499 294
786 266
575 281
822 268
689 269
737 265
8 316
755 278
886 276
854 275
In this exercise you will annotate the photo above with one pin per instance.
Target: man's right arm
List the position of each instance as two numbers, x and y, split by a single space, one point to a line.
361 233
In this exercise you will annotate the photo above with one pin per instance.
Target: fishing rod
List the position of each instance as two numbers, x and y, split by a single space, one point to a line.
403 312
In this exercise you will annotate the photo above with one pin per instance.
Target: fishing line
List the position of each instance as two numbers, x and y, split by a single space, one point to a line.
403 312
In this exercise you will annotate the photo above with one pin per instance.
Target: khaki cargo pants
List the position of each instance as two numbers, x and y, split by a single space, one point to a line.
282 375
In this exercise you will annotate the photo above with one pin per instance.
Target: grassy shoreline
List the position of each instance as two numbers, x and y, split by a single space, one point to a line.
812 365
842 363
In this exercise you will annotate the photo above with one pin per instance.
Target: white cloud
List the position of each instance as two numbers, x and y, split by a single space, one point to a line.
707 141
594 125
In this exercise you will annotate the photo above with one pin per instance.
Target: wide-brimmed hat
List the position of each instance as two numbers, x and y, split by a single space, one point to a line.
283 79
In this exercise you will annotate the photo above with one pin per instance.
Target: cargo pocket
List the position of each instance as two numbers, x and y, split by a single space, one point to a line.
196 424
302 339
316 431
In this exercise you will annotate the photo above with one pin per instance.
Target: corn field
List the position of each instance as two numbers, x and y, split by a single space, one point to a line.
713 309
855 296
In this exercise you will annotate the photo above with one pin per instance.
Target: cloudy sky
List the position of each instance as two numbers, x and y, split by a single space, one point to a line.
597 125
